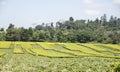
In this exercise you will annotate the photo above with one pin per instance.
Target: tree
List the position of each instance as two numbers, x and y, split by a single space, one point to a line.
84 36
39 27
98 30
2 29
113 23
30 33
10 35
103 19
11 26
97 21
71 19
19 35
2 35
115 37
39 36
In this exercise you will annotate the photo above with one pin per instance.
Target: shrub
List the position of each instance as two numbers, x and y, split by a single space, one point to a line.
116 67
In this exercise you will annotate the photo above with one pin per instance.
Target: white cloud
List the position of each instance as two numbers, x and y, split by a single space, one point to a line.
88 1
92 12
116 1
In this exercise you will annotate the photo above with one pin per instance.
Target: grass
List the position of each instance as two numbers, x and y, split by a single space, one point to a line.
82 49
60 48
18 49
57 57
2 53
5 44
30 63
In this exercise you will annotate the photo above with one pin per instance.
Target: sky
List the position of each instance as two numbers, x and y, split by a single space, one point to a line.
28 13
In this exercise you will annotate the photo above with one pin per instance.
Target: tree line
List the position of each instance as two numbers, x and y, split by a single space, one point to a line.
99 30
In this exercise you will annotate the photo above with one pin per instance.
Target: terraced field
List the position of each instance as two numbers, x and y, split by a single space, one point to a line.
62 49
58 50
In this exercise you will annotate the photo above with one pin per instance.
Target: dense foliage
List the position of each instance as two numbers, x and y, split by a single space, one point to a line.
100 30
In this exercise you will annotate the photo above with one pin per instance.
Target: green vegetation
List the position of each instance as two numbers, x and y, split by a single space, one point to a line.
63 57
68 46
115 67
17 48
83 31
5 44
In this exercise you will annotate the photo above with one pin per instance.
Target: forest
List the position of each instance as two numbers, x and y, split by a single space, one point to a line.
100 30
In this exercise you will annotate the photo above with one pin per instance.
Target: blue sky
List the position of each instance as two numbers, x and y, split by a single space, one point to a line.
29 12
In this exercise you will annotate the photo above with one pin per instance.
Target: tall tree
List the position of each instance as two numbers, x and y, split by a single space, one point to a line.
71 19
10 35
